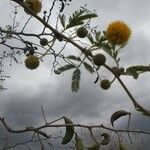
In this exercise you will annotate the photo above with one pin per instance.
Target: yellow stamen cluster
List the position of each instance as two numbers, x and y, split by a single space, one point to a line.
118 33
34 5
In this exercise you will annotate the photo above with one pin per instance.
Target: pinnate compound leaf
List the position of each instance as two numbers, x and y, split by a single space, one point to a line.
75 80
133 72
78 18
136 70
88 67
74 58
116 115
65 68
69 131
78 143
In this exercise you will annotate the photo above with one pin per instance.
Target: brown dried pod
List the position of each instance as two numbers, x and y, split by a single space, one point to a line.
106 139
118 114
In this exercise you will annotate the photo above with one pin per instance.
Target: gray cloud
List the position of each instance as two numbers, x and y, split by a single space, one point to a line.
28 91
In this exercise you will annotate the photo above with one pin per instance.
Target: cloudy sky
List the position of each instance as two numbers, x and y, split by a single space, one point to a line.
29 90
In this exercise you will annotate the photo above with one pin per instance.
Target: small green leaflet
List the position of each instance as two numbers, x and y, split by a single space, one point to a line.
88 67
73 57
107 49
89 36
65 68
75 80
62 20
78 18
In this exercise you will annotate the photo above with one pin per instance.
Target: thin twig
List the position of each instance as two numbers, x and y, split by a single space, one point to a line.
43 115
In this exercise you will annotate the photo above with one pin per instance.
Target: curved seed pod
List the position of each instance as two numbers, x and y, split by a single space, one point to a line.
106 139
118 114
94 147
121 146
57 72
79 144
69 132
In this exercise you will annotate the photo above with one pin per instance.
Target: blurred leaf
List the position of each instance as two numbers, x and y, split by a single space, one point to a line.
79 143
122 146
132 71
94 147
75 80
136 70
88 67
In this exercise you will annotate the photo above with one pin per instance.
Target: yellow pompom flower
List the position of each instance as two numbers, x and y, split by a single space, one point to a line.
118 33
34 5
32 62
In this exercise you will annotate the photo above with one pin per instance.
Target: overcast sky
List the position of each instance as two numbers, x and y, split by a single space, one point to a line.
29 90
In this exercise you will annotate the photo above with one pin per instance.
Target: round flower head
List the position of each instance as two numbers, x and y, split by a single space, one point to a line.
34 5
44 41
32 62
99 59
118 33
82 32
105 84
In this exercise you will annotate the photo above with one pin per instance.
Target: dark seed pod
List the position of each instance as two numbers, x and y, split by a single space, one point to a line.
105 84
116 115
99 59
82 32
44 41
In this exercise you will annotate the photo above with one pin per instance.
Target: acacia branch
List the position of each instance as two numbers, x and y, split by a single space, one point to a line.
49 26
137 106
28 129
50 125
